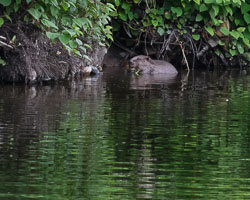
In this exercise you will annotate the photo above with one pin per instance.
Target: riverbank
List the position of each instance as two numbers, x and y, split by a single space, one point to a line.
31 57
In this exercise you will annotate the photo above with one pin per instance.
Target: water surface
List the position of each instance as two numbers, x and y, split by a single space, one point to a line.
120 137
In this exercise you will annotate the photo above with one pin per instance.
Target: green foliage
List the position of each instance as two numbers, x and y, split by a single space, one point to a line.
1 21
213 18
2 62
5 2
72 22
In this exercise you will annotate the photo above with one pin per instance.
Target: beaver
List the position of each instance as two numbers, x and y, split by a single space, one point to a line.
145 65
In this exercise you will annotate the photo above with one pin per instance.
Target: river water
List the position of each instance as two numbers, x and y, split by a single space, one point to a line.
121 137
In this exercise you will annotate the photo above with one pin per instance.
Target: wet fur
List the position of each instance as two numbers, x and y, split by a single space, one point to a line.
146 65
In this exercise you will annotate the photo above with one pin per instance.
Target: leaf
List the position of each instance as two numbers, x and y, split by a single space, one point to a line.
177 10
232 52
66 21
79 42
70 31
35 13
16 7
5 2
203 8
86 57
221 43
209 1
78 53
216 9
54 3
123 16
117 3
160 11
111 6
7 16
2 62
52 36
235 34
28 1
210 30
167 15
161 31
87 45
72 44
65 5
240 48
83 48
1 21
229 10
54 11
224 30
154 22
130 15
197 2
241 29
212 13
64 38
72 4
182 21
126 7
247 18
247 34
48 23
160 19
245 8
198 18
109 36
79 22
246 42
196 36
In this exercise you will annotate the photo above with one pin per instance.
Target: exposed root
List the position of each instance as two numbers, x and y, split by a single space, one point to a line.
33 57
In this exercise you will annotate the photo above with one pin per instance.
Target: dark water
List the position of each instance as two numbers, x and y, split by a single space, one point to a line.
120 137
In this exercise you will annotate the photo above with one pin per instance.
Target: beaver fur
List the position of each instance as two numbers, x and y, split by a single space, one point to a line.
145 65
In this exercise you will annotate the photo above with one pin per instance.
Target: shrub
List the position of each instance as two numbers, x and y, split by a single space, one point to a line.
72 22
199 25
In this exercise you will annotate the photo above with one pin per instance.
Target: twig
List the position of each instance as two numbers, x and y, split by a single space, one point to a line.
203 50
184 81
183 53
2 37
124 48
194 48
184 57
166 43
4 44
145 43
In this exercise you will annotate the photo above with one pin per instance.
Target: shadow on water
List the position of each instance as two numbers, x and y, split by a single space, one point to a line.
118 136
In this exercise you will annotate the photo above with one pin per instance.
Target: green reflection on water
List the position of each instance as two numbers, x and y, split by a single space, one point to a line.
193 146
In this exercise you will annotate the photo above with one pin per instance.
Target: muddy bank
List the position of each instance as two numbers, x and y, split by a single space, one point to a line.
32 57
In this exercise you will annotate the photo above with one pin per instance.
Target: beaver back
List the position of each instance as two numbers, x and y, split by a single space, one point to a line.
146 65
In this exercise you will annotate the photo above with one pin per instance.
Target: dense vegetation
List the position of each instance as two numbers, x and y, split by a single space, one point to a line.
209 31
72 22
212 31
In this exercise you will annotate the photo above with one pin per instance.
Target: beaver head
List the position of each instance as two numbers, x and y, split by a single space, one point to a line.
141 64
